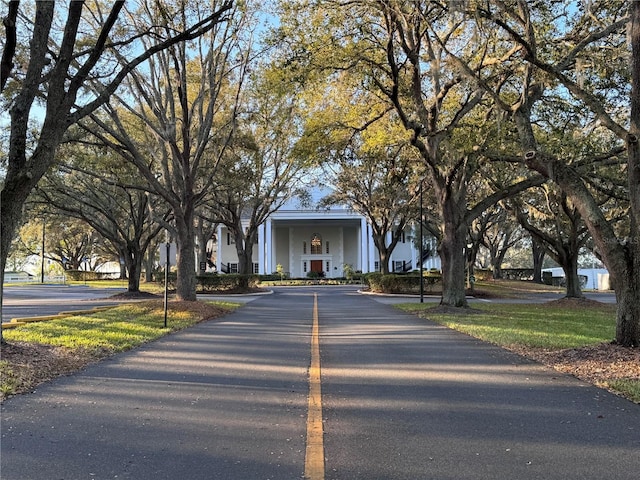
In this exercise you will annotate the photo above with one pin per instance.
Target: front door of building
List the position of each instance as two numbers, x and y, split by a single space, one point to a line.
316 266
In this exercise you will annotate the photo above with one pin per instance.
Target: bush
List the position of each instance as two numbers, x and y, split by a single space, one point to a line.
214 282
373 280
394 283
82 275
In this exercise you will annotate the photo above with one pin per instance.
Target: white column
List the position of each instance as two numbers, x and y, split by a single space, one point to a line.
414 255
293 267
261 250
220 243
268 242
364 255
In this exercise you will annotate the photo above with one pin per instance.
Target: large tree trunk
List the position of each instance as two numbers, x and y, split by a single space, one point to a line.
572 280
452 249
627 284
383 253
133 263
628 319
452 255
453 279
186 258
538 252
15 191
245 257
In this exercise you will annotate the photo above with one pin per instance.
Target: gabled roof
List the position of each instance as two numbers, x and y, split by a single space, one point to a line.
309 205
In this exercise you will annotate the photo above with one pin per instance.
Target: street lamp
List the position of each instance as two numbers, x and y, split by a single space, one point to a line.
42 266
421 250
468 259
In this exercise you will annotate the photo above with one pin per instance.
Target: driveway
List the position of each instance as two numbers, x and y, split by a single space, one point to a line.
402 399
36 300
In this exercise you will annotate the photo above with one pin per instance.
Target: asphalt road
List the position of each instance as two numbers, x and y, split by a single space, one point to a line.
36 300
402 399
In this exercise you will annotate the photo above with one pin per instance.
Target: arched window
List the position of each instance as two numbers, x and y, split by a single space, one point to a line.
316 244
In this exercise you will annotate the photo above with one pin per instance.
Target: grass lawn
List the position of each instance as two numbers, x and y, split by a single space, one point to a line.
38 351
531 325
539 330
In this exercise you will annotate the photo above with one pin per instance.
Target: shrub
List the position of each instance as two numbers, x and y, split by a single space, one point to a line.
214 282
394 283
88 275
373 280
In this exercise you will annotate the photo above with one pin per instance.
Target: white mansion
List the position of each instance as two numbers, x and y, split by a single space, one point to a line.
316 239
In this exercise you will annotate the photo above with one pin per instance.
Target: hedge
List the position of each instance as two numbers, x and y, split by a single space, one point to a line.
212 282
394 283
81 275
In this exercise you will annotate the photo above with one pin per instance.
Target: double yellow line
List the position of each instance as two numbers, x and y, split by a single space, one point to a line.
314 457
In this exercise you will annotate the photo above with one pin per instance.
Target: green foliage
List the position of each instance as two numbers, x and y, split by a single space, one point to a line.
216 283
280 271
349 272
396 283
82 275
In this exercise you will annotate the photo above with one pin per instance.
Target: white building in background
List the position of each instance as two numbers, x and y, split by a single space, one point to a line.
590 278
308 238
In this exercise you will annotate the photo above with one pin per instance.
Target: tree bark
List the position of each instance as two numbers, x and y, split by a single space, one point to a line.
244 249
186 257
572 279
381 245
452 255
538 252
133 264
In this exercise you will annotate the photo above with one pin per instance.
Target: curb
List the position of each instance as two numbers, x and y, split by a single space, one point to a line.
18 322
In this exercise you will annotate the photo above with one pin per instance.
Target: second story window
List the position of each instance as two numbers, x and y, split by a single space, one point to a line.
316 244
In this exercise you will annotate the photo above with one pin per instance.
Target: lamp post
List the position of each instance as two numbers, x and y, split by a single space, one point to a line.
421 250
167 264
467 257
42 266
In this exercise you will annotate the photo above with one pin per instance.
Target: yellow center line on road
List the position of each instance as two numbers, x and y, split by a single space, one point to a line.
314 458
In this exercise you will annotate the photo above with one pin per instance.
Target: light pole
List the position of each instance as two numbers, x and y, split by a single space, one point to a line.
42 266
468 258
167 264
421 250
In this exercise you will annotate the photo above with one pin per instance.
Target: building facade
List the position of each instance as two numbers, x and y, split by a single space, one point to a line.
303 238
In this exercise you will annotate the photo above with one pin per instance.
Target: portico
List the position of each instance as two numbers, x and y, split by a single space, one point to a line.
303 238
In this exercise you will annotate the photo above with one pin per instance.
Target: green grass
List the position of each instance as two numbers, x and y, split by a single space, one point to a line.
117 329
627 387
9 381
551 327
530 325
513 288
94 336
